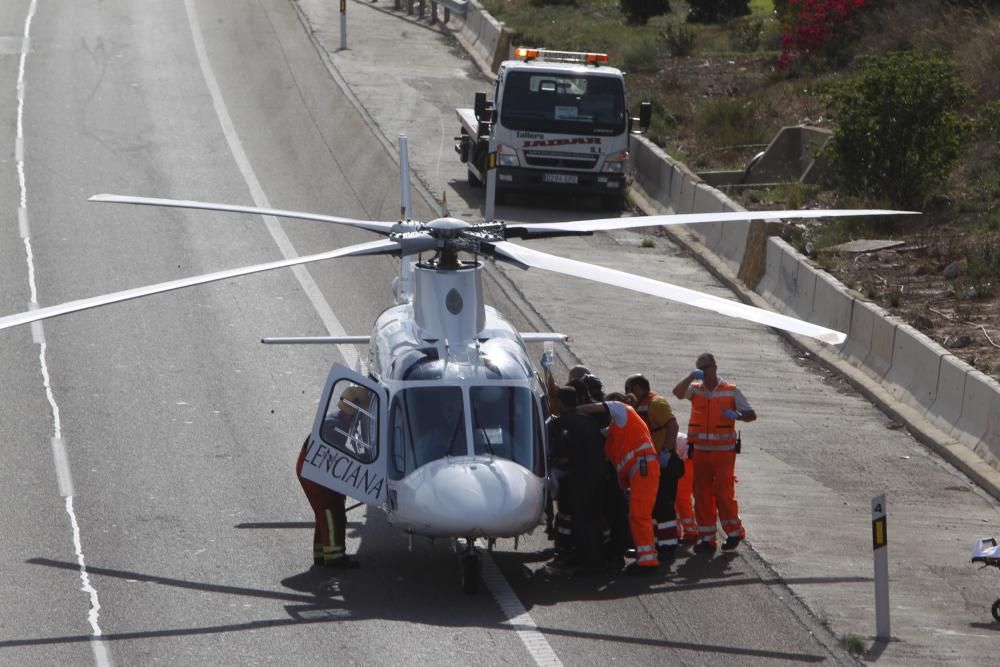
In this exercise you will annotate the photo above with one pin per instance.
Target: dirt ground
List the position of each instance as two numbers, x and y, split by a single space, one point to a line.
909 281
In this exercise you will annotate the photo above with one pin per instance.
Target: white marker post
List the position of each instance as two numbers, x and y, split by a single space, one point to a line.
491 183
405 197
880 553
343 24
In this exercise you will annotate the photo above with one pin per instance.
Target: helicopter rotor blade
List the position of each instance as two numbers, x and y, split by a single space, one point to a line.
540 260
540 229
371 225
380 247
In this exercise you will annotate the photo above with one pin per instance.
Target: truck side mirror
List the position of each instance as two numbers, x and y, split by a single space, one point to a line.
645 116
480 105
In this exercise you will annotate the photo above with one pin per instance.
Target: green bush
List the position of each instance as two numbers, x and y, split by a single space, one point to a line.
638 12
679 38
898 131
640 56
747 34
715 11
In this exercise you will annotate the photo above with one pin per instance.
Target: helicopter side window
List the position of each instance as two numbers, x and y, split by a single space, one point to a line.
505 424
350 424
426 424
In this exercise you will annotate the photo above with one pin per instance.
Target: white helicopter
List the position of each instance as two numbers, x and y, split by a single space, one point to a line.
446 432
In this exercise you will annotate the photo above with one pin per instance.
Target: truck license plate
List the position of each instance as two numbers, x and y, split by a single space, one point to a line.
560 178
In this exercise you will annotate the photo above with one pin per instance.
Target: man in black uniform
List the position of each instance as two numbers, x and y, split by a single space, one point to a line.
580 437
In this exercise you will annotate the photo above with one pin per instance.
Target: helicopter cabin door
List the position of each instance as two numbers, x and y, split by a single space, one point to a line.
346 450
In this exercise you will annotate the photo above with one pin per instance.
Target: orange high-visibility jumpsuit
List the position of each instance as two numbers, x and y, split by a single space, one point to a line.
687 525
712 435
629 447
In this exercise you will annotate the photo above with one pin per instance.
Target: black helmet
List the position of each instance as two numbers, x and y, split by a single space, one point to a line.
594 386
636 378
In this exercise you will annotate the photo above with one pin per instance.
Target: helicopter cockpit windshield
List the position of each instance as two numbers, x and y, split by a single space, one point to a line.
428 423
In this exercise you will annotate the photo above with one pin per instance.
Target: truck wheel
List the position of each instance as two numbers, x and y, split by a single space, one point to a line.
474 180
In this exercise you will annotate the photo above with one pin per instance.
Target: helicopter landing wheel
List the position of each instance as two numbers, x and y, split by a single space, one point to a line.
996 611
470 573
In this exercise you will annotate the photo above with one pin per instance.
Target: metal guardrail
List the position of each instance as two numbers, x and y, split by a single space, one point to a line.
458 6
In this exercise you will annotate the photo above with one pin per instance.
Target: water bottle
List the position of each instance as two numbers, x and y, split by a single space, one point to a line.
548 354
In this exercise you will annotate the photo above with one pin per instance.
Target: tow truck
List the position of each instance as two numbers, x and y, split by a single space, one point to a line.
558 122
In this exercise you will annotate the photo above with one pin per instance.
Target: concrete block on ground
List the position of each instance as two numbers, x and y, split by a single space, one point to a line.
732 245
768 284
801 300
978 400
946 410
832 304
883 340
859 336
915 369
664 183
788 275
706 201
685 199
676 188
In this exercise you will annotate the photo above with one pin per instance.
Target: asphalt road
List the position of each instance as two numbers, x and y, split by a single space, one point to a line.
150 512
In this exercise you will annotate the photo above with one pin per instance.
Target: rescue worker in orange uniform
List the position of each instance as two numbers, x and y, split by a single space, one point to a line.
329 533
716 406
687 525
629 447
659 418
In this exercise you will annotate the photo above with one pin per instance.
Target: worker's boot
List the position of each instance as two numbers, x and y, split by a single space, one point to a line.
731 543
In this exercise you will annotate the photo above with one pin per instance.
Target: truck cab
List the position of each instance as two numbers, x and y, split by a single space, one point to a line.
558 122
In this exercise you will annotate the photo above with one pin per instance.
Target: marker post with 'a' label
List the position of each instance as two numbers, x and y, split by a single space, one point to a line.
880 553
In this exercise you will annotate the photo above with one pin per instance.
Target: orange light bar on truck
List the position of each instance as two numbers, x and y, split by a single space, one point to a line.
525 53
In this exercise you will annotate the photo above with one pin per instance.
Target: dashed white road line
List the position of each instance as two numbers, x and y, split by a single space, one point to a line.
102 656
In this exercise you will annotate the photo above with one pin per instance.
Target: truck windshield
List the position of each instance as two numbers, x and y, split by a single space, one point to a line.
569 103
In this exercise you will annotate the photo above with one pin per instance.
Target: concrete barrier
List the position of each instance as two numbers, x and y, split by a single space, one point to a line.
801 302
772 267
832 305
705 201
879 357
859 336
484 37
978 401
915 369
788 274
946 410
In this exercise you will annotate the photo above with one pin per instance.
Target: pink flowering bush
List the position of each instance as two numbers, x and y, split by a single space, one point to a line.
809 25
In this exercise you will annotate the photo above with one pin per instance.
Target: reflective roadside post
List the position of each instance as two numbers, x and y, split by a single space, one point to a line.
491 183
343 24
880 553
405 197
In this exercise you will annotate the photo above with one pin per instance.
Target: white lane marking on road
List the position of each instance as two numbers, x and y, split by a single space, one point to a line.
60 459
350 353
517 616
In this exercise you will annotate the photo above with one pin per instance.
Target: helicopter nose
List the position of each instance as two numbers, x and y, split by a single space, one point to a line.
495 498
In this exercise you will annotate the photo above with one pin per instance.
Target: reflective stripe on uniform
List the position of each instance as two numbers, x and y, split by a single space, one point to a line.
648 458
646 553
632 454
666 533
